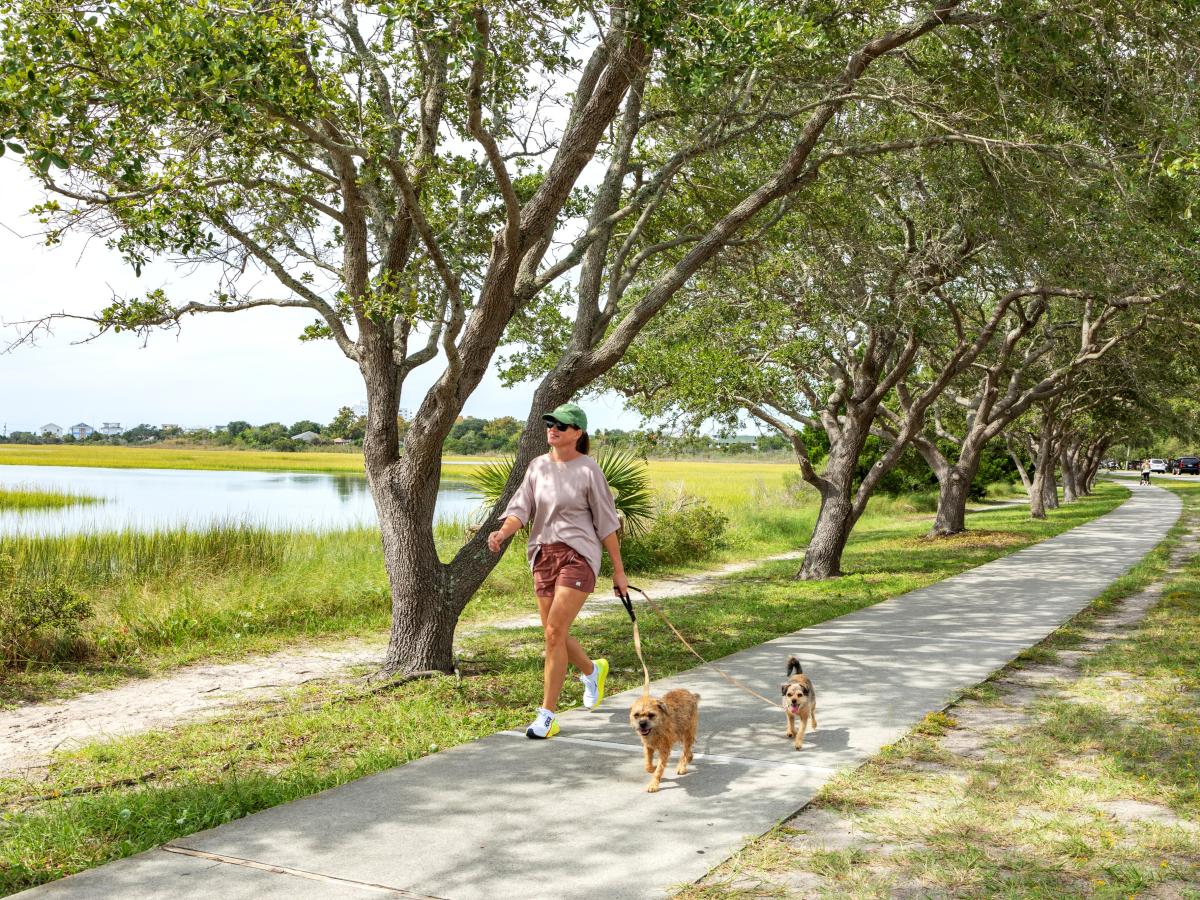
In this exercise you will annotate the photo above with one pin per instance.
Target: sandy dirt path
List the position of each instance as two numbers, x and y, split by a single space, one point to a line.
30 734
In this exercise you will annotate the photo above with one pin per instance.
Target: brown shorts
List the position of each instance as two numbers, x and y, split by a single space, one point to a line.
557 564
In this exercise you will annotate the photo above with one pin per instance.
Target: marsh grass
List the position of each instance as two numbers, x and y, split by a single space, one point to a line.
21 499
324 735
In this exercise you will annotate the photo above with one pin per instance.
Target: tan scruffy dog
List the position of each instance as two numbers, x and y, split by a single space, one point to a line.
799 701
662 723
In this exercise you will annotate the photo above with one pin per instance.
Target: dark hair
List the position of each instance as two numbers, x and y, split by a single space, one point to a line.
583 444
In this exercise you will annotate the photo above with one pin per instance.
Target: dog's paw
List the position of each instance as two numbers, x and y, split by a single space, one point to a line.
652 788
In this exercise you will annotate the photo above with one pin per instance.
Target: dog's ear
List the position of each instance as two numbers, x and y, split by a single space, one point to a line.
661 707
783 688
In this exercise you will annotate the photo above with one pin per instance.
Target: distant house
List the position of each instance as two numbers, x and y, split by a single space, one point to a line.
341 441
738 440
81 431
110 429
51 430
307 436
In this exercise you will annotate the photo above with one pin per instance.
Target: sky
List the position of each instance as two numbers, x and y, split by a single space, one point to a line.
215 369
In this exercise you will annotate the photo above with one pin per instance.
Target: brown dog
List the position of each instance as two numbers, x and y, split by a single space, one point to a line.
799 701
662 723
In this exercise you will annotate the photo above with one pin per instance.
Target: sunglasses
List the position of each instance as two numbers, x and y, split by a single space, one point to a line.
556 425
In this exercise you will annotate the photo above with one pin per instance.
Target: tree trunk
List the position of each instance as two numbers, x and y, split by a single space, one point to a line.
1070 477
1050 491
424 609
823 558
1037 497
953 489
1045 490
1026 481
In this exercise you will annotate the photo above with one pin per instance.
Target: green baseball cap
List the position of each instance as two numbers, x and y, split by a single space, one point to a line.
568 414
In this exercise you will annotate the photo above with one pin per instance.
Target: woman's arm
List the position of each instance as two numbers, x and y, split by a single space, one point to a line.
497 538
613 546
519 511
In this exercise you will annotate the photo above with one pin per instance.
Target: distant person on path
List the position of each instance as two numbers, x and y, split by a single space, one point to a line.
1145 471
566 501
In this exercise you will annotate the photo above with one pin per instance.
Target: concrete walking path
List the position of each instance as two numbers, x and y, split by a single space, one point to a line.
506 817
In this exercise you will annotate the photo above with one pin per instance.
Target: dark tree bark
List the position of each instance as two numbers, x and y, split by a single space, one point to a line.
838 513
954 483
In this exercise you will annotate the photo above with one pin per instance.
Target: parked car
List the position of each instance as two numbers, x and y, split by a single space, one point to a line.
1159 466
1186 465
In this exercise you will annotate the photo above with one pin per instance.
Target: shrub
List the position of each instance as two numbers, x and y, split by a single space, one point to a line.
686 529
40 621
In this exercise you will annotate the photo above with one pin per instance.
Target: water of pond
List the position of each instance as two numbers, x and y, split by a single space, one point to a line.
149 499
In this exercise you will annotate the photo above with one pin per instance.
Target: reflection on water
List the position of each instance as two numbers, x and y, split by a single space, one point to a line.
145 499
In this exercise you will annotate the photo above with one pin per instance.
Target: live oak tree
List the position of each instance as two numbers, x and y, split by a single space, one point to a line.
815 325
1125 269
1131 389
815 334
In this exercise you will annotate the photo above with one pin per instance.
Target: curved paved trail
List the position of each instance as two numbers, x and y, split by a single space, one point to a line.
507 817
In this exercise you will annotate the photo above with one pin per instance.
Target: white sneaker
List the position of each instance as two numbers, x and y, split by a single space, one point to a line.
545 725
593 685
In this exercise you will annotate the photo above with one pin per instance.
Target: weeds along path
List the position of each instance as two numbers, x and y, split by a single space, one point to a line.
30 734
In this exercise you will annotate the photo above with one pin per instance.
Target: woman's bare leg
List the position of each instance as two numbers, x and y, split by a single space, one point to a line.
575 652
558 612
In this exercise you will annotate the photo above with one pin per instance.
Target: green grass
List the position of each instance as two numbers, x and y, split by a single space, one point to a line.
1027 819
27 499
322 736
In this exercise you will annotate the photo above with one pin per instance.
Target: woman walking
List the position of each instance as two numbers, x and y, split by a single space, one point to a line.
1145 471
569 508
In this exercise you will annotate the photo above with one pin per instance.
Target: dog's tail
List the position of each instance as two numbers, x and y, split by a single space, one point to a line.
794 667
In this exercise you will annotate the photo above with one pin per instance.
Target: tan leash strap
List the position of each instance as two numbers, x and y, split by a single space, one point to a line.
637 639
684 641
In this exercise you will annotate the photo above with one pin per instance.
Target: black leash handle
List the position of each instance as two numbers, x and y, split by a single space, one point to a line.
627 602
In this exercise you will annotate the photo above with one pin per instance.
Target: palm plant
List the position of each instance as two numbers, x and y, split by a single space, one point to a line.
627 476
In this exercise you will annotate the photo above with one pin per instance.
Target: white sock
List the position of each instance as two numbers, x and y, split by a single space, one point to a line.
595 672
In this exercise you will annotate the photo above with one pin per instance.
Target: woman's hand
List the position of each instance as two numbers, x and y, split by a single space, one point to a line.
620 584
496 540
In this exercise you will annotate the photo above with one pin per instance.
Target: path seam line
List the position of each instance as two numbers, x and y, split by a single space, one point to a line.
298 873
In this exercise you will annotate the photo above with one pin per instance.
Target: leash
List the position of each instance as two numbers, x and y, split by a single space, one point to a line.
637 639
627 600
